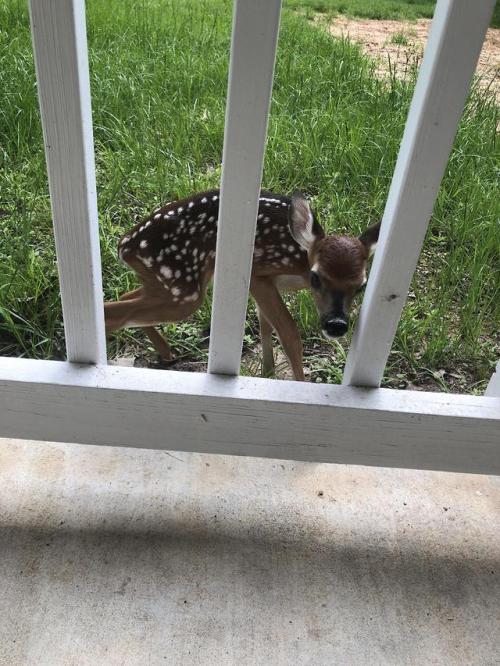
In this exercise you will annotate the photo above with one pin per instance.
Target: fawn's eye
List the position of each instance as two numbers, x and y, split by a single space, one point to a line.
315 281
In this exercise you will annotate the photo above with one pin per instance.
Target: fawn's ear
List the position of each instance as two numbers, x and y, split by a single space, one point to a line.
369 237
303 227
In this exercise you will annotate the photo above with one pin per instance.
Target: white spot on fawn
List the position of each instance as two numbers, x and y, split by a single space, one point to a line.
176 291
147 261
123 251
143 244
166 272
204 200
277 201
193 296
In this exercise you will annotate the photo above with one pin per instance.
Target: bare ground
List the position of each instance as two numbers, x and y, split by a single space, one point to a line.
457 378
397 46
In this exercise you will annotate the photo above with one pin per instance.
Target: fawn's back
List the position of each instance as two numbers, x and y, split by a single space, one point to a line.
176 244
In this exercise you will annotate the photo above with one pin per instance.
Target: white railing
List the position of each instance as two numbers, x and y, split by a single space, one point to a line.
455 40
253 49
219 412
60 48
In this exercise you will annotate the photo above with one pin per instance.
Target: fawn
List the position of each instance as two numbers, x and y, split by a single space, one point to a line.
173 253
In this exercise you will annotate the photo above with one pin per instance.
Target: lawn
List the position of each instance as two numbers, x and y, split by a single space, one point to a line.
158 77
369 9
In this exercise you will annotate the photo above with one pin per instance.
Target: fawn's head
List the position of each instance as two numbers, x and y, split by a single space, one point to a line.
338 265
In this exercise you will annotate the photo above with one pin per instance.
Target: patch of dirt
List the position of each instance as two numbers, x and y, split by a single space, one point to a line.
398 46
457 378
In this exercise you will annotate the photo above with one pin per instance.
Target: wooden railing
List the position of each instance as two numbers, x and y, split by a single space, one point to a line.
87 401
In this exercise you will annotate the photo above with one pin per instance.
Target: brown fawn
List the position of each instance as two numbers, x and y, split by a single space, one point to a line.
173 253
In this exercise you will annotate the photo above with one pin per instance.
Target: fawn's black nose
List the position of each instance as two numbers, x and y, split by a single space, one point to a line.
335 327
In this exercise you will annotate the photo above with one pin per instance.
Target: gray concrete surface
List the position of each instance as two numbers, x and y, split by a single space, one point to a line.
125 556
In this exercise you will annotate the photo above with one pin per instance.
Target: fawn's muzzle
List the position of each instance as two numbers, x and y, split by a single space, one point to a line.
334 327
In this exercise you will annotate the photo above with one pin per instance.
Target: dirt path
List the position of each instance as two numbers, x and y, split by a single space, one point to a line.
401 43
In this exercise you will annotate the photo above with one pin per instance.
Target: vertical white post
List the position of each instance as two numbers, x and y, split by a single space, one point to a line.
455 40
60 50
253 50
493 389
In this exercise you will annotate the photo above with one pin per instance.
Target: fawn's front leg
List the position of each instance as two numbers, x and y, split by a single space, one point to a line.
271 304
266 333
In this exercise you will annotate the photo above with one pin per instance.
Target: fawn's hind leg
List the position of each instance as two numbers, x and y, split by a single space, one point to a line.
266 332
157 340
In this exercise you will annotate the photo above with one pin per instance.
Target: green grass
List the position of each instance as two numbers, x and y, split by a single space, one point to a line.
158 77
369 9
399 38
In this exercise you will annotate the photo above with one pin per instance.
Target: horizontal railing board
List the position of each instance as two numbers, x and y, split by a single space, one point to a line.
453 47
60 52
117 406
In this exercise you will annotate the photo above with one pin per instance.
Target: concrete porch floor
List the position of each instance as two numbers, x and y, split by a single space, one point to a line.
126 556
